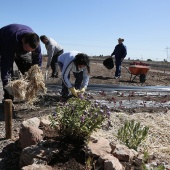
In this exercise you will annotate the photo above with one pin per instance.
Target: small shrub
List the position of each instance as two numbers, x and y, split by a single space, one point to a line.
79 118
132 134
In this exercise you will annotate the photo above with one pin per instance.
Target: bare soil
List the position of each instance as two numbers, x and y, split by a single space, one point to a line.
72 157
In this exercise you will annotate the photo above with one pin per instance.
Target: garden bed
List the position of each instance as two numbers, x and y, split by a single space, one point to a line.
151 110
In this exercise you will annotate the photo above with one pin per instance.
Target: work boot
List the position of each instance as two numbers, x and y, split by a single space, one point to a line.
65 95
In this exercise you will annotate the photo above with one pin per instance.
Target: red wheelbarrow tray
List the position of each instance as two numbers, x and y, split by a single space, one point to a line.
138 69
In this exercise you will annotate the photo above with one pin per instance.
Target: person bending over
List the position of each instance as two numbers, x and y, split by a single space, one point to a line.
53 51
78 63
16 41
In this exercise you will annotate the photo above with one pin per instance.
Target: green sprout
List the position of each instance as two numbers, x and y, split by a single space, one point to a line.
132 134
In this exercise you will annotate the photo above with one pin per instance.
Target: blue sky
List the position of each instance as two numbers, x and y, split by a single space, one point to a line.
93 26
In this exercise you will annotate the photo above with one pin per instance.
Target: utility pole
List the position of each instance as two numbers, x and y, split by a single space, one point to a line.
167 49
141 57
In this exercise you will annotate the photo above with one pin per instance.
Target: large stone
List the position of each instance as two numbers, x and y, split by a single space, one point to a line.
47 129
36 154
99 147
29 136
112 163
44 121
34 122
37 167
123 153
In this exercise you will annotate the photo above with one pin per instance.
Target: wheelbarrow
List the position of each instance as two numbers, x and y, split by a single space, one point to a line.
138 71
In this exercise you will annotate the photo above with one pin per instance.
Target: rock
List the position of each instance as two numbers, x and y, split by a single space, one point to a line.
29 136
111 163
36 155
47 129
140 156
99 147
168 112
45 122
123 153
37 167
35 122
167 167
113 146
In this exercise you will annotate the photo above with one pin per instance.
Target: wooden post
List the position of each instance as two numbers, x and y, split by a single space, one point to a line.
8 118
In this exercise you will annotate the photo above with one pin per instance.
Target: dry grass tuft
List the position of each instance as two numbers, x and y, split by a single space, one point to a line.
17 88
28 88
35 83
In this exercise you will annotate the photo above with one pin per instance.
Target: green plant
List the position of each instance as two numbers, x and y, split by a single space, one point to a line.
78 118
160 167
132 134
145 156
144 166
146 160
90 163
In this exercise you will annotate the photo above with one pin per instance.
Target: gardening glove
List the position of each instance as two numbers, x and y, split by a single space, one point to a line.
74 91
83 90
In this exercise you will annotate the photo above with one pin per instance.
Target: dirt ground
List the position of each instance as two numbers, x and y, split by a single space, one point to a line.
9 153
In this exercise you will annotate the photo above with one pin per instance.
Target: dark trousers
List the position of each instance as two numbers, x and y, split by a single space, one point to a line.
78 81
24 62
54 64
118 63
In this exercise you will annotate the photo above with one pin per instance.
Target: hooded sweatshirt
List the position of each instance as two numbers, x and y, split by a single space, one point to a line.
11 47
68 65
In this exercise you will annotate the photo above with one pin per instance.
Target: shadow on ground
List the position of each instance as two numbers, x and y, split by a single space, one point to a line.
101 77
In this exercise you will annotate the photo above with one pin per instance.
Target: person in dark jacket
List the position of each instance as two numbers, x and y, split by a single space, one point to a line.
120 53
17 40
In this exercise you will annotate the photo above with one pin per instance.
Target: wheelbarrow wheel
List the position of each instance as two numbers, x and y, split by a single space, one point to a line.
142 78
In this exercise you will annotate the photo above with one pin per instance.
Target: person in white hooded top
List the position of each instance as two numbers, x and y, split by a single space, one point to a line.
53 51
78 63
